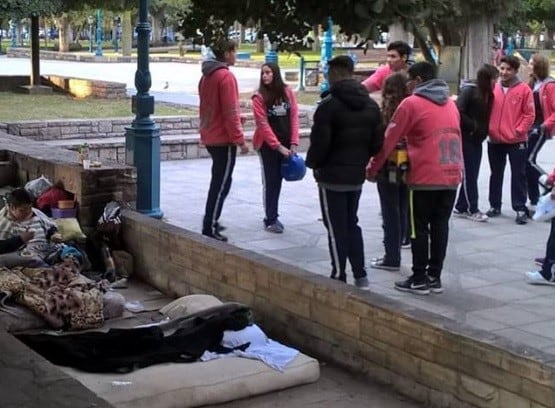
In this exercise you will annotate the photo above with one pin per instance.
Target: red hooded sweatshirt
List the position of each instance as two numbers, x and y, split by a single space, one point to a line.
264 132
512 113
431 123
547 101
220 120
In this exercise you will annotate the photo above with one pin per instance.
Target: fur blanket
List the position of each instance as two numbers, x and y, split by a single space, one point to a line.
59 294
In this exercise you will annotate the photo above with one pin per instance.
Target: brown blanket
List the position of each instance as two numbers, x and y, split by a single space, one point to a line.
59 293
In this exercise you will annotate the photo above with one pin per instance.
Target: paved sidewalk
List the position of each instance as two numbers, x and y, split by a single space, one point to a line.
484 271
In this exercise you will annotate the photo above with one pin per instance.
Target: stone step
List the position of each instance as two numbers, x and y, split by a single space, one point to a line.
172 146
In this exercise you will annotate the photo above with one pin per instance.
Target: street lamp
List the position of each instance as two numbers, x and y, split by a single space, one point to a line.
326 54
142 138
13 27
98 33
90 20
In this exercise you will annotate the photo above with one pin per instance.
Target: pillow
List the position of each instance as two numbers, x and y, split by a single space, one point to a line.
187 305
70 229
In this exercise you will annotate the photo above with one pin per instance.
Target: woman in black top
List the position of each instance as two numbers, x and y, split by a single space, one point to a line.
474 102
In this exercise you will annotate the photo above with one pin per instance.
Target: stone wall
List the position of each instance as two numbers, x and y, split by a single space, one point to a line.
92 188
429 358
83 88
59 129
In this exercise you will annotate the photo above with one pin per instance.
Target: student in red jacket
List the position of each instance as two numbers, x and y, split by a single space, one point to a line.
276 136
543 91
220 129
430 121
398 54
512 116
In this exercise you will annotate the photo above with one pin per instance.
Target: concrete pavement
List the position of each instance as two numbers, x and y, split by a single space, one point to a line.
484 270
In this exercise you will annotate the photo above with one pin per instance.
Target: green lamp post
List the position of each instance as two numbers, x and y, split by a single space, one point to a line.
142 138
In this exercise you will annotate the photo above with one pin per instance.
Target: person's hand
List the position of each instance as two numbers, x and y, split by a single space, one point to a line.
284 150
56 238
244 148
243 119
27 235
293 149
369 176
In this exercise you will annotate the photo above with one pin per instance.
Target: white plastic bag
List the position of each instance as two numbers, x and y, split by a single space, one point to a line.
38 186
545 210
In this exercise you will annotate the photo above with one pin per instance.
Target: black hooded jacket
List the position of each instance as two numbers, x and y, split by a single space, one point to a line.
346 132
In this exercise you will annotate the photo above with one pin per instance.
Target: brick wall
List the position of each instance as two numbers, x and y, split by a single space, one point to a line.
427 357
92 188
60 129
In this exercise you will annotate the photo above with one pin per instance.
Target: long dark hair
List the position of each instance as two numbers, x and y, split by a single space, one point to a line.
485 75
393 92
274 92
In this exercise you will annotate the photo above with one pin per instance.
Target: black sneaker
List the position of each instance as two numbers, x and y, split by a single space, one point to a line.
493 212
342 278
412 286
521 217
216 235
381 264
435 284
219 227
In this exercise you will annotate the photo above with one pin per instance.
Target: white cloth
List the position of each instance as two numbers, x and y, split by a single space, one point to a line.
271 352
545 209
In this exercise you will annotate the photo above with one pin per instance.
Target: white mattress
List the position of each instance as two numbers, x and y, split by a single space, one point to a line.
195 384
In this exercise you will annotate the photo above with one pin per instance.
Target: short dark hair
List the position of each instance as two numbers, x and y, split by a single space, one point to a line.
401 47
424 70
342 64
222 46
19 197
512 61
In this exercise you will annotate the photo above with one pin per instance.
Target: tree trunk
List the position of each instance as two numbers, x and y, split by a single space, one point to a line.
35 51
475 50
64 33
397 32
126 34
316 34
548 44
156 30
259 38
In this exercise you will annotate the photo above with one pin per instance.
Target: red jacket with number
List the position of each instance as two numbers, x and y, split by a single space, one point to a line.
219 111
512 113
431 123
264 132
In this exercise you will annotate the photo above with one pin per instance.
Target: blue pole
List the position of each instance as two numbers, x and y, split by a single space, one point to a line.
142 138
98 33
326 54
301 74
13 26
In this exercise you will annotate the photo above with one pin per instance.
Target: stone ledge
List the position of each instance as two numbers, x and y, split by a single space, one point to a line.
28 380
428 357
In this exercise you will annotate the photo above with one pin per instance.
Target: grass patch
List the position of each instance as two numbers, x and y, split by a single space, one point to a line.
18 107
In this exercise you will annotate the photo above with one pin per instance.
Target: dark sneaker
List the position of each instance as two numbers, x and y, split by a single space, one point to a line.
216 235
342 278
276 228
435 285
219 227
460 214
406 244
362 283
521 217
539 261
493 212
381 264
412 286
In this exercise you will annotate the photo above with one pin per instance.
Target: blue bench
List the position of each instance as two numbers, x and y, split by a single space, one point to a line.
243 55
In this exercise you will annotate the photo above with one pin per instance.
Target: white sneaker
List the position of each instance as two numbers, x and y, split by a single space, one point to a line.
536 278
478 216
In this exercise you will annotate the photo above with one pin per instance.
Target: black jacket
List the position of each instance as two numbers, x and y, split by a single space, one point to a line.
346 132
474 112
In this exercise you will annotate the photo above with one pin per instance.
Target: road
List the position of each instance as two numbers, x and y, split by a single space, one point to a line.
171 81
